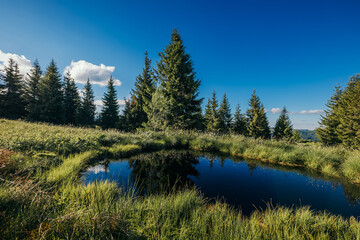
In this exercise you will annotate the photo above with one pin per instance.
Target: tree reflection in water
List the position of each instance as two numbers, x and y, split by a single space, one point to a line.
163 171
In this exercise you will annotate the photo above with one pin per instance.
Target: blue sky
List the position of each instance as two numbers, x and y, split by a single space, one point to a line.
292 52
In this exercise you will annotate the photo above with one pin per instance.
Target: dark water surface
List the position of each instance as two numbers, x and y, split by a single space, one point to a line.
243 183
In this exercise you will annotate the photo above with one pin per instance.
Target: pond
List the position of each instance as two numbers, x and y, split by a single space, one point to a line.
245 184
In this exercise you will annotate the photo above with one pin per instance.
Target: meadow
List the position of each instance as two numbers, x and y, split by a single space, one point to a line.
41 195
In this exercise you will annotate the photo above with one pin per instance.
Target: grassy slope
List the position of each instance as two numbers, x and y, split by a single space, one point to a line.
41 195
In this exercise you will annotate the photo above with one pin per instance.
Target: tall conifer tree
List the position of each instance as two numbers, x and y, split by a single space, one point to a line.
12 101
179 85
239 122
258 125
87 106
109 116
349 114
71 100
32 92
51 96
283 126
329 123
137 108
225 115
212 114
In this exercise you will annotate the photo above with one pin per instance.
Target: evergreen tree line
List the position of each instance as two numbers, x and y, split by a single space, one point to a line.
45 96
254 123
341 122
165 97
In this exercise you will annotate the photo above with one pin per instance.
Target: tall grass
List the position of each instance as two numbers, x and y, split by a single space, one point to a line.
41 196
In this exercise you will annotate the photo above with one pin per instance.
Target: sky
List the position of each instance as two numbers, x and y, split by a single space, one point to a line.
293 53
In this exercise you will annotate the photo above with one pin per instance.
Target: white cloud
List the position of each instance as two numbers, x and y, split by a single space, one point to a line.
275 110
81 71
311 112
21 60
100 102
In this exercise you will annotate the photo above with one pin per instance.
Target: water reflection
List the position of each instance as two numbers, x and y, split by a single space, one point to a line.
163 171
243 183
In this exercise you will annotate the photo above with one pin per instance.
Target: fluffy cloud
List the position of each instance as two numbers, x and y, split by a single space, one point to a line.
100 102
311 112
81 71
21 60
275 110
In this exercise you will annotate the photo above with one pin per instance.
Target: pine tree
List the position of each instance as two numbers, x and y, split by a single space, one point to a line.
157 116
109 115
71 100
87 106
136 110
349 114
51 96
258 125
224 115
212 115
327 131
32 92
239 122
179 85
12 102
283 127
12 91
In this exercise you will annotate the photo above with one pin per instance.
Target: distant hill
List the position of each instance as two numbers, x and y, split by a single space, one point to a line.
308 135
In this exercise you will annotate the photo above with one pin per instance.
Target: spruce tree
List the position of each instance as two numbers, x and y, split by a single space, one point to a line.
212 114
283 127
157 116
239 122
179 85
224 115
258 125
71 100
32 92
109 115
349 114
136 110
51 96
87 106
329 123
12 102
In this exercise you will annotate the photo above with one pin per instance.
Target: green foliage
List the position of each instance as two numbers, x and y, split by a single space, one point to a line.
283 127
157 115
109 115
179 86
32 92
51 96
212 120
296 136
137 109
71 100
12 104
224 115
87 106
341 122
258 124
349 114
327 132
239 122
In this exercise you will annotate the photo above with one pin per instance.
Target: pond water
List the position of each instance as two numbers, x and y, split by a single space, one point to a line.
243 183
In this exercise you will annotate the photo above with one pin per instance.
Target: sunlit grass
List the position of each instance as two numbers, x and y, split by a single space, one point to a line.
41 196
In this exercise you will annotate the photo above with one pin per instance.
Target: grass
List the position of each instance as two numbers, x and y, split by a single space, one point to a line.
41 196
